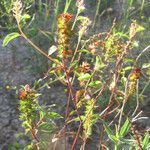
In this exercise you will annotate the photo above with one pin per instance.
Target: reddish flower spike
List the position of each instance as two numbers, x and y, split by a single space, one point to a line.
22 94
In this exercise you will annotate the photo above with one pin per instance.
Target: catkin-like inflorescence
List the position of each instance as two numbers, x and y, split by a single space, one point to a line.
89 113
17 10
131 88
64 33
27 106
133 78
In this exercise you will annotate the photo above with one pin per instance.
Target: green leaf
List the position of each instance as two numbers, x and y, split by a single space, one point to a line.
28 147
128 60
81 18
121 34
148 146
128 68
110 133
140 28
84 77
43 144
128 141
108 130
114 139
25 17
46 127
145 65
125 128
99 64
74 63
95 83
10 37
123 80
26 124
52 49
145 141
84 51
27 130
117 132
82 117
16 145
54 115
136 44
42 114
56 60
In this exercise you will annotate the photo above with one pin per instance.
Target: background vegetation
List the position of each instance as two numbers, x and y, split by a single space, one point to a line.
99 56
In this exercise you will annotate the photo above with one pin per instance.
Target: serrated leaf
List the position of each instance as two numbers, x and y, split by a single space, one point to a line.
54 115
84 77
10 37
125 128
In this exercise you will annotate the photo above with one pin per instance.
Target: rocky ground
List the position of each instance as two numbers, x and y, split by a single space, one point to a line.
17 65
13 72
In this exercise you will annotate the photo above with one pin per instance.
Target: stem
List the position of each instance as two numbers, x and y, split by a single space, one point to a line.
96 13
84 144
142 6
34 135
67 5
75 20
123 105
117 147
76 50
144 88
55 14
77 135
144 50
33 45
137 98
